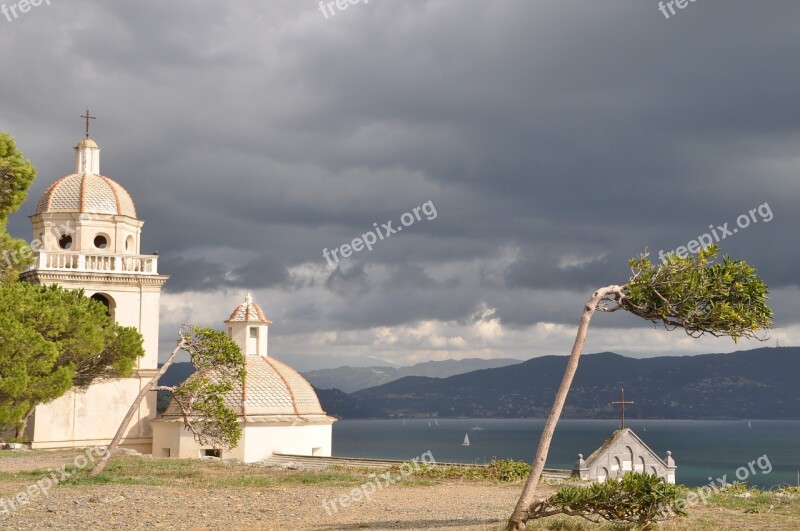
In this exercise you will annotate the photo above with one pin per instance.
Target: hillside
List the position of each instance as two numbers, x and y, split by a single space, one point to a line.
351 379
759 383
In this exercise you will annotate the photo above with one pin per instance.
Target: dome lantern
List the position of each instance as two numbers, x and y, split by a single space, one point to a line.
87 157
248 327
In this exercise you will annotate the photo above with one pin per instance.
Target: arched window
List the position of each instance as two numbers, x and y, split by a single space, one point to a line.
107 301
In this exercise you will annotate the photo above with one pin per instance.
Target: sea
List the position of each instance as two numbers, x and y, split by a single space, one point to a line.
763 453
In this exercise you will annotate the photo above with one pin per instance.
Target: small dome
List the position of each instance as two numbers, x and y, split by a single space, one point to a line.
271 389
87 192
248 312
87 143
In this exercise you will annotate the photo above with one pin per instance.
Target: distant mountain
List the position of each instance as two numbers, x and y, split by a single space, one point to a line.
176 373
351 379
761 383
310 362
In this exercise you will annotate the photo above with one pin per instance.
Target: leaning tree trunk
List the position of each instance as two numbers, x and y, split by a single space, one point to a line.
101 464
519 517
23 424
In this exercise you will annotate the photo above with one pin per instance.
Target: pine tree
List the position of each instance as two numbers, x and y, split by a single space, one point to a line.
16 175
51 340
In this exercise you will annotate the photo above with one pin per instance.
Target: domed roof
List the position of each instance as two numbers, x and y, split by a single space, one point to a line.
248 312
272 391
87 143
273 388
87 192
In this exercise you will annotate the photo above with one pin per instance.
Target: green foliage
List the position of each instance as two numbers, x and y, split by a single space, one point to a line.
508 470
445 471
16 175
52 339
28 370
220 368
698 295
638 498
502 470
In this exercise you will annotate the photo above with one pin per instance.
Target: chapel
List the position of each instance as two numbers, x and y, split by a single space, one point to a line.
277 409
623 452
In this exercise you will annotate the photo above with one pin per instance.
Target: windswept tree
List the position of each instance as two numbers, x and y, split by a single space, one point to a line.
52 340
695 294
219 366
16 175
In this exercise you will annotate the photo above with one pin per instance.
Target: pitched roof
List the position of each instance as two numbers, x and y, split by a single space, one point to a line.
617 436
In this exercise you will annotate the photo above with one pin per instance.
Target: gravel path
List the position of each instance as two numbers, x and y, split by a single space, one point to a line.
452 505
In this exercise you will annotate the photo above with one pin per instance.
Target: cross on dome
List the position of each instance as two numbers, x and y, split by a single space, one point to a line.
88 117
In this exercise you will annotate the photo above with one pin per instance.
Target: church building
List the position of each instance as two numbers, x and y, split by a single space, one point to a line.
621 453
278 410
88 237
624 452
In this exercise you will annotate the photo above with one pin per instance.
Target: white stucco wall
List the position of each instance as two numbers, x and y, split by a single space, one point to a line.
240 334
92 418
259 441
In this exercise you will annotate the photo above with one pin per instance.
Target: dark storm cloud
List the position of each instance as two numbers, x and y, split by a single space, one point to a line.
200 274
566 134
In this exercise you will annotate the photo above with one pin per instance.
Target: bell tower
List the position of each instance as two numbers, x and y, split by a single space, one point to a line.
86 235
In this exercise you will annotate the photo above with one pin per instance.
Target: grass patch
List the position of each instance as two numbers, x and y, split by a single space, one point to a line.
23 474
207 474
14 454
739 497
503 471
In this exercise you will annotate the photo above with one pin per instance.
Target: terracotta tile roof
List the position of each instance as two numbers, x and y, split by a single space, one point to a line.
86 192
273 389
249 312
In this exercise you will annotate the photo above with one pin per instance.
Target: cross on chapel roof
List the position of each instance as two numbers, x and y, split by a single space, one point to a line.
622 403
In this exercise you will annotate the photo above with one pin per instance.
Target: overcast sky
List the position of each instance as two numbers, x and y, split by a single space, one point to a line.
554 139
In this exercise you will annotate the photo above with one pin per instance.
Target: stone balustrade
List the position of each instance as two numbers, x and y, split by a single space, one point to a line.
97 263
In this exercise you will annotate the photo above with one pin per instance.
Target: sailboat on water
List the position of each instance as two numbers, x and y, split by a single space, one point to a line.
466 440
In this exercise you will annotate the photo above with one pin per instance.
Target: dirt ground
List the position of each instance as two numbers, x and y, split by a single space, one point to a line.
453 504
146 493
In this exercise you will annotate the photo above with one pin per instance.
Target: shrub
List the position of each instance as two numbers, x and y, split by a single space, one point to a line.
508 470
637 498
